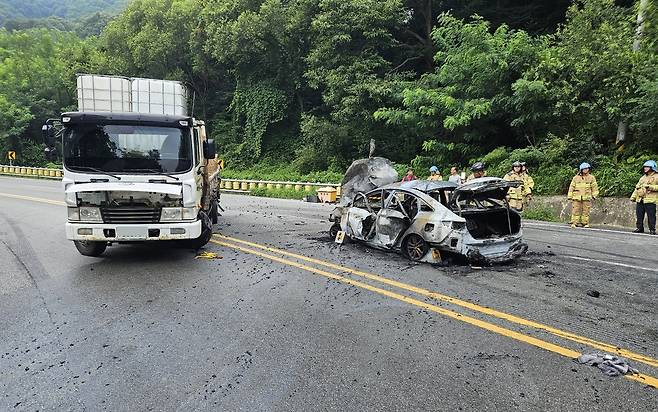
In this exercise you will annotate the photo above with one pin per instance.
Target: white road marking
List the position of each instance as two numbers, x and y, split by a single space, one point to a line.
591 229
611 263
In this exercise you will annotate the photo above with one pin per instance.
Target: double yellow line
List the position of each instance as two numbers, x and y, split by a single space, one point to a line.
260 250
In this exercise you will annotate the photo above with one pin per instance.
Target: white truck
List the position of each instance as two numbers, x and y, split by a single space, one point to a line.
136 166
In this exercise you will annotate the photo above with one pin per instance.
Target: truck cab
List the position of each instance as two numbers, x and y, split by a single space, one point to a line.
134 177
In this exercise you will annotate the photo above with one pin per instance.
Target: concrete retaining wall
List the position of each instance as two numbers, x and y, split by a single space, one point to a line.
610 211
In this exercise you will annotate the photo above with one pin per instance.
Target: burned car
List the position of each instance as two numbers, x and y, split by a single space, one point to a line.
428 220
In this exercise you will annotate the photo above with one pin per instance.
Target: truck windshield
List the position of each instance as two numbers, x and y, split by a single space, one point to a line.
122 148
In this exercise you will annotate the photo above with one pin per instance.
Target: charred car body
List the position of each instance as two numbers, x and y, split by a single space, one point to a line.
425 220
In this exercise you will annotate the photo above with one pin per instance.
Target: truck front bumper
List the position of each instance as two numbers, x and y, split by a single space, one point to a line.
134 232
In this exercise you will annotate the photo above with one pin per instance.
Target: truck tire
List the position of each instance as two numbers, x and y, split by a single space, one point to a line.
206 233
214 212
89 248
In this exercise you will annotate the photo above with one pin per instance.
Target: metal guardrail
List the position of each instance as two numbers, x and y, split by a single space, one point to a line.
31 171
246 185
234 185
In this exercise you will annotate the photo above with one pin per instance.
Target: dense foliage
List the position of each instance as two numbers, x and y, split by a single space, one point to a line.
34 9
293 88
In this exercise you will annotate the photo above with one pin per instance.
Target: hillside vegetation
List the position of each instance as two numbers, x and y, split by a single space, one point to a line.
71 9
299 88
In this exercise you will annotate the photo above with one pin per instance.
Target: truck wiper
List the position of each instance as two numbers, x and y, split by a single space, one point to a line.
94 169
160 172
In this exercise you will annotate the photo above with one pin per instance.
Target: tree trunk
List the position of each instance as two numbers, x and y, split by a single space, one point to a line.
622 127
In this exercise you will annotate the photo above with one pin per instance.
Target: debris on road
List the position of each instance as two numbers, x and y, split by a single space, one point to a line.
593 293
609 364
208 255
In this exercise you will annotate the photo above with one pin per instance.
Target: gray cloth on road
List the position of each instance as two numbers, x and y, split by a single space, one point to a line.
609 364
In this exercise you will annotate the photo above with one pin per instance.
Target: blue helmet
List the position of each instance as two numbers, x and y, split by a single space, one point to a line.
434 169
584 165
651 164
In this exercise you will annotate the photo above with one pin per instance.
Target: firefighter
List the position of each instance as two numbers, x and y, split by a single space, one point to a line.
645 197
435 174
528 184
582 190
478 171
516 195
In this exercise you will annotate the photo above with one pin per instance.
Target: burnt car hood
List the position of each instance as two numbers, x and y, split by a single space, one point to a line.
485 188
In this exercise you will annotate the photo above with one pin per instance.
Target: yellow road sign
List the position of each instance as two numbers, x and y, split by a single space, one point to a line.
11 155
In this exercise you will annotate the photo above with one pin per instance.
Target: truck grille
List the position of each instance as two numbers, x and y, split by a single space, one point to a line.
122 215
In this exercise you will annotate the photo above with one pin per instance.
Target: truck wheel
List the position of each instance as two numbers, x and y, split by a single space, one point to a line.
89 248
206 233
214 212
415 247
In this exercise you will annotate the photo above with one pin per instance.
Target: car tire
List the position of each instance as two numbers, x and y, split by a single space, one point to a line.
90 248
333 231
415 247
206 233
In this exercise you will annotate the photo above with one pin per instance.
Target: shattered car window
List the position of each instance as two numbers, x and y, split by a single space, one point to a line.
465 204
375 200
360 201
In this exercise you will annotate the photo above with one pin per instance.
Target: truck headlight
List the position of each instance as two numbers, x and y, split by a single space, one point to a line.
190 213
84 214
176 214
90 214
74 214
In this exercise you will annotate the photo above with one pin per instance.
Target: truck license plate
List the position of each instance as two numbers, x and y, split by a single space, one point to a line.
136 232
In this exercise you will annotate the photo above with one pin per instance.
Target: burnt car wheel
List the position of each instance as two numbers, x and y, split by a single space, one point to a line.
333 231
90 248
415 247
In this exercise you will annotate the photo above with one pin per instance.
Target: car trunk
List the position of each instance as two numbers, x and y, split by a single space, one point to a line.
491 223
487 220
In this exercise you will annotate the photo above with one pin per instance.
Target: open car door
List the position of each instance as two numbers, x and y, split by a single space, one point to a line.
394 218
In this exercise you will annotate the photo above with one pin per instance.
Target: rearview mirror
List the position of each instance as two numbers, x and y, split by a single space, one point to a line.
209 150
48 132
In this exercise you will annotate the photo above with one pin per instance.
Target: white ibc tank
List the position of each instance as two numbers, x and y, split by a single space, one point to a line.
104 93
159 97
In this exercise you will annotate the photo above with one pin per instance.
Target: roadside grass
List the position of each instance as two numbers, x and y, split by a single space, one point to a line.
541 212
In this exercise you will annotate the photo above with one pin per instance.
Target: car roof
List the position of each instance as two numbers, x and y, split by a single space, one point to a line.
422 185
421 195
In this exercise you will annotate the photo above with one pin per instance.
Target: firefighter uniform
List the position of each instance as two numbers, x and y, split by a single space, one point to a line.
582 190
515 195
645 197
528 185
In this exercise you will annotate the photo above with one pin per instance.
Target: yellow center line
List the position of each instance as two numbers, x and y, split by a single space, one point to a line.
472 306
492 312
33 199
551 347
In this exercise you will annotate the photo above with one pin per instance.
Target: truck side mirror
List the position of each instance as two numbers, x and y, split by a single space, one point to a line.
48 132
209 151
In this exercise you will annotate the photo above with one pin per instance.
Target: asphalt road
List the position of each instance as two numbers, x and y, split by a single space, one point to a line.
285 319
